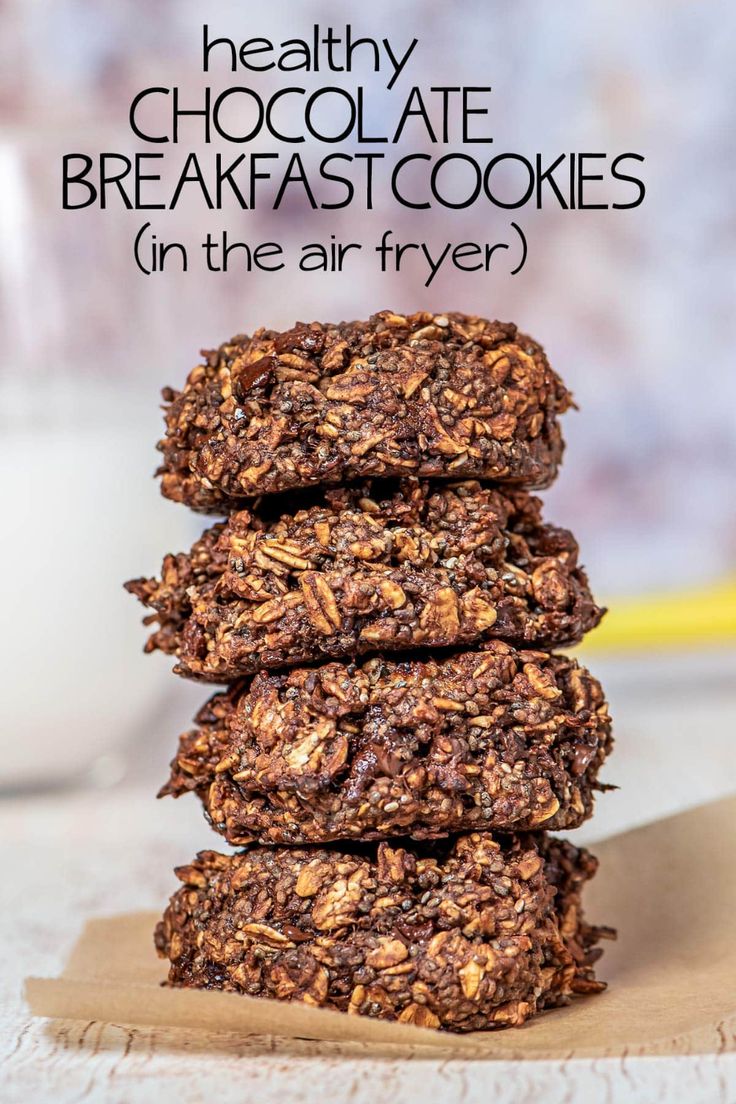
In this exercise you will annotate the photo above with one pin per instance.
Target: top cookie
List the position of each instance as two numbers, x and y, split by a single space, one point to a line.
444 396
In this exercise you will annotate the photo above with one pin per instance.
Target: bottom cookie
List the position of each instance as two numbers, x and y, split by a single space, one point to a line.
468 934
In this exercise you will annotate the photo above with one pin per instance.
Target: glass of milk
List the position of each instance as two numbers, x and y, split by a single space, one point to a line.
81 362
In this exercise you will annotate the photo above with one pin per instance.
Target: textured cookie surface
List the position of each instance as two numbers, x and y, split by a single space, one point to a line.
480 934
449 395
495 739
379 566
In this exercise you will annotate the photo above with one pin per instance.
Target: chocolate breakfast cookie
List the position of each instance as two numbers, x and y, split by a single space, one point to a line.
446 396
475 934
380 566
490 739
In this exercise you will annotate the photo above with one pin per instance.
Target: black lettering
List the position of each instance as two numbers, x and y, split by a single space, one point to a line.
418 111
545 176
140 177
500 160
269 116
114 177
582 177
448 157
255 159
181 113
468 111
222 100
295 173
327 175
132 114
208 46
641 190
191 174
252 47
314 99
225 175
77 178
398 167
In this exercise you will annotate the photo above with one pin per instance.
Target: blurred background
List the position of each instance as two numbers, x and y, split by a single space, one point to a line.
635 309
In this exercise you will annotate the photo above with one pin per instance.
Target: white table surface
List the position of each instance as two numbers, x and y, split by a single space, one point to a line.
68 857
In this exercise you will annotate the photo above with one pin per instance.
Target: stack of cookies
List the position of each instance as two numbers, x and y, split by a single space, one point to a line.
396 735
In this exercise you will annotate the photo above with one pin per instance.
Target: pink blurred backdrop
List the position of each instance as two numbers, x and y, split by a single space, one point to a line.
635 308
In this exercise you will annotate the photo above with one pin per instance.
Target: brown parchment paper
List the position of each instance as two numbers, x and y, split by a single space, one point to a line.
670 889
